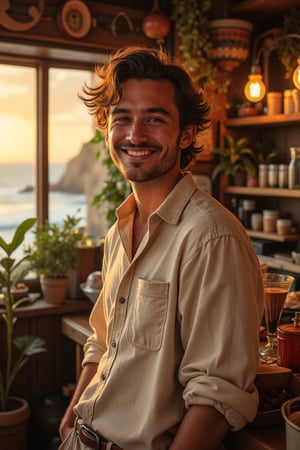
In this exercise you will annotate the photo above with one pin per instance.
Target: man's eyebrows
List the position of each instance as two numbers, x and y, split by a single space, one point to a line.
145 111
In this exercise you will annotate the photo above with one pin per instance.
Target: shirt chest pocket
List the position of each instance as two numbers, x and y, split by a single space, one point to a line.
147 322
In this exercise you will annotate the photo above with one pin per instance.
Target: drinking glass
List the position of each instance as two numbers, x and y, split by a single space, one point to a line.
276 288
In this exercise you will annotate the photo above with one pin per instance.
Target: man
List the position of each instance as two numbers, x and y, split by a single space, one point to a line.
174 350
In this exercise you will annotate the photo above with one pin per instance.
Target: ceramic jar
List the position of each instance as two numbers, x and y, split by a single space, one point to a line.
288 336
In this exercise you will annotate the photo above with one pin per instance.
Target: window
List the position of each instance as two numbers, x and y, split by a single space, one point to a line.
43 127
18 146
70 127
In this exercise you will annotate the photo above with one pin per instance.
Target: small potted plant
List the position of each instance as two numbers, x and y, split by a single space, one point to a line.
264 151
14 411
236 160
54 254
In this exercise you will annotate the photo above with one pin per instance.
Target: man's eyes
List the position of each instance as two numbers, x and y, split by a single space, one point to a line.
121 119
128 119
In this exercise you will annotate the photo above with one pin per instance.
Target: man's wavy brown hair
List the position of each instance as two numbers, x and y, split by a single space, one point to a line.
147 63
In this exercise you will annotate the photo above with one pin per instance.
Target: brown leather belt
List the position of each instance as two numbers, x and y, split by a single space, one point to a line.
91 439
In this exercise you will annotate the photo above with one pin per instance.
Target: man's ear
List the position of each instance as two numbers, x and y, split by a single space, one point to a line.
187 136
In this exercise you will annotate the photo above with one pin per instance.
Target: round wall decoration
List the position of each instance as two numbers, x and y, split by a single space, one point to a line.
75 19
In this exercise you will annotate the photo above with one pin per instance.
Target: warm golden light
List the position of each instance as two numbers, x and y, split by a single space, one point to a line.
296 75
255 90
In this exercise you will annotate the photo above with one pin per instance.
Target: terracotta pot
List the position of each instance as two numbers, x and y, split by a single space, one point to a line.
13 425
231 42
156 25
239 179
54 289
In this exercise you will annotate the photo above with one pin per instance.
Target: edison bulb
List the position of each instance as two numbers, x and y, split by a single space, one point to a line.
255 90
296 75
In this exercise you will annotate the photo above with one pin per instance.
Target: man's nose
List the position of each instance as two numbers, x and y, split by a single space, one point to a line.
137 132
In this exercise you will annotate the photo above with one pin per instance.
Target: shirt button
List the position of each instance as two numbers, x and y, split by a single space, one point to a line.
122 300
103 376
113 344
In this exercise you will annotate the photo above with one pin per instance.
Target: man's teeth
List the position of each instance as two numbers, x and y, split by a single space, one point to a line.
138 152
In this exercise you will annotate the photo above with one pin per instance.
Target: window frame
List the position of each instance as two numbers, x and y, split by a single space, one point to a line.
42 67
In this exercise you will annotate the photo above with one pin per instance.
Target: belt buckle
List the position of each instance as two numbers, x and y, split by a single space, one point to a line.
92 433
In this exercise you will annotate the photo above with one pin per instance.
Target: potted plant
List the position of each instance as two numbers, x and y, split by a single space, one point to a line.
54 254
14 411
264 151
191 19
289 42
236 158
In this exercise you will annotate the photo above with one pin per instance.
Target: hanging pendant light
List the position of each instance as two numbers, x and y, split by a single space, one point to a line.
255 88
156 25
296 75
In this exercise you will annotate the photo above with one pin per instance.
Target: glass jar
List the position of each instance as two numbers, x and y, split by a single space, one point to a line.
283 176
248 208
263 171
288 102
273 175
294 168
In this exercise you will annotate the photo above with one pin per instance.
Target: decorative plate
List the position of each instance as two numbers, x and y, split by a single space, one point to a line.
75 19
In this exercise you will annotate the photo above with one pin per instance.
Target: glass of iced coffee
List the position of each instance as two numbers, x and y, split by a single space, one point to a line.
276 288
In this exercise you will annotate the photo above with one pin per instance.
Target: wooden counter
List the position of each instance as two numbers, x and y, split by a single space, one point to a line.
265 438
77 328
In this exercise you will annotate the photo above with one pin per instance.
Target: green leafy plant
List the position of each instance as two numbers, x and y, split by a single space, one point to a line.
264 151
11 272
115 188
191 21
235 156
289 47
54 251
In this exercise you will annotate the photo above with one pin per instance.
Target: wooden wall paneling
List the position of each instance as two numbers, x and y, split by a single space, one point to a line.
45 373
48 33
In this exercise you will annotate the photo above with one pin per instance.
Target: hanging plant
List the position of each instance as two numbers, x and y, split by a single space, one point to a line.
289 47
195 46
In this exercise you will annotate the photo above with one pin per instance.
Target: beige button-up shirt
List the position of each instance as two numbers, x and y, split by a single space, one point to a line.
176 325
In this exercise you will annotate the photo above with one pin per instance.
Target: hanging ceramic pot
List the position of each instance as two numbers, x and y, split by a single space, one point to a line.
156 25
231 42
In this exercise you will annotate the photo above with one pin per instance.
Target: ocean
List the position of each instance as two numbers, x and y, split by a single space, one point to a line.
16 206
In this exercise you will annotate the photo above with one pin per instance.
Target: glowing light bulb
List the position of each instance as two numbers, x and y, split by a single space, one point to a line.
296 75
255 90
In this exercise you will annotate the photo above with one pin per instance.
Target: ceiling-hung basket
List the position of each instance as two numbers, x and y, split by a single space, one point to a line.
231 42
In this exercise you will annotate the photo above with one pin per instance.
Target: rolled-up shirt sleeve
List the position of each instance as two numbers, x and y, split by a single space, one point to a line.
221 347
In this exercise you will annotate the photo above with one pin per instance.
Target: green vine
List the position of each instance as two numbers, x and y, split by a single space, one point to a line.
115 188
289 48
191 19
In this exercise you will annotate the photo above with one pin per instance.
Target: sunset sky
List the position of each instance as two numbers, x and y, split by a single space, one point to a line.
70 124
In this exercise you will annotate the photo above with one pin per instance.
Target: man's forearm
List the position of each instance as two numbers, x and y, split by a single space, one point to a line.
203 428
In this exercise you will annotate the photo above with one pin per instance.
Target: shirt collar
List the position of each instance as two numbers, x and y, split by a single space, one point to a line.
172 207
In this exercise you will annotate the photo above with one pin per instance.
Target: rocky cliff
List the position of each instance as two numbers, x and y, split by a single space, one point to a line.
85 174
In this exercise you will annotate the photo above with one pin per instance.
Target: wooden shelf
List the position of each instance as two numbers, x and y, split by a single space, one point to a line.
263 7
262 192
271 121
273 236
279 264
